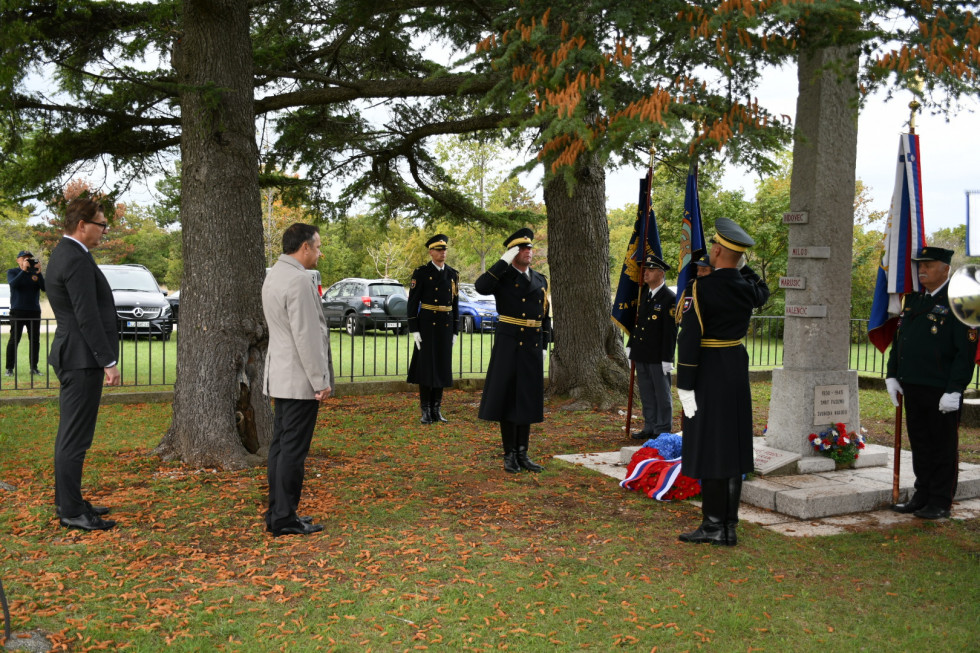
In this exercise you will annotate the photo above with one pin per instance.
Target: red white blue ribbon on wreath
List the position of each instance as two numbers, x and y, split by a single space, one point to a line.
665 471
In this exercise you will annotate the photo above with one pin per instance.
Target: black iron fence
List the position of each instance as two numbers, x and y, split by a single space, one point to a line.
148 356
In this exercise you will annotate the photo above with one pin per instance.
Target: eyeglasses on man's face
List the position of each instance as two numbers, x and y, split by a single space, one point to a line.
104 225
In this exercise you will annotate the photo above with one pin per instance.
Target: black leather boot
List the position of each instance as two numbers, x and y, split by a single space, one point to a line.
731 516
713 503
525 462
510 462
426 414
436 413
523 432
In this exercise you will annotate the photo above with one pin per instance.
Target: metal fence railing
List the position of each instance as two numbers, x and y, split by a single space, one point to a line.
148 356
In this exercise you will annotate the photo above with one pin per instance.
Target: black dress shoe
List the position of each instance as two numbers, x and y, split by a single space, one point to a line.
932 512
87 522
95 510
909 506
640 435
297 528
305 520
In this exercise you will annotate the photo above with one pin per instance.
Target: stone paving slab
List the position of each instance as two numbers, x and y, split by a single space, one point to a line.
809 505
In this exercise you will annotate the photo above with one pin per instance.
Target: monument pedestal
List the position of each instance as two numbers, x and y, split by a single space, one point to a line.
809 401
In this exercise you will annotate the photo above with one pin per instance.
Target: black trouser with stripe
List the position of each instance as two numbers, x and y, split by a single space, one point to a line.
934 438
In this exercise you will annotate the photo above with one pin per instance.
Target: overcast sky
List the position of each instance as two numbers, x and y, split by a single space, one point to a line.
950 154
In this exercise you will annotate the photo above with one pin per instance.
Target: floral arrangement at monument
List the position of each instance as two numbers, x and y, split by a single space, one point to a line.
836 443
655 470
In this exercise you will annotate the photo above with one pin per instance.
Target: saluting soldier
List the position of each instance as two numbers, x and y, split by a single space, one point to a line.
713 374
651 347
513 393
433 320
931 363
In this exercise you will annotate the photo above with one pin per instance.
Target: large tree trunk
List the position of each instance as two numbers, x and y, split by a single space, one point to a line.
587 358
220 417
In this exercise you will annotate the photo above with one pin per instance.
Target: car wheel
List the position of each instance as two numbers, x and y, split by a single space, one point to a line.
353 325
468 324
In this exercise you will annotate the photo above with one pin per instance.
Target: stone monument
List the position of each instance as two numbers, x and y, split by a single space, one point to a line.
815 388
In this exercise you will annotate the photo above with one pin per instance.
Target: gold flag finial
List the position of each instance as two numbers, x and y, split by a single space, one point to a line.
913 107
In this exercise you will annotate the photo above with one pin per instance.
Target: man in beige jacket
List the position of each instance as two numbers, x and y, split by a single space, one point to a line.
298 373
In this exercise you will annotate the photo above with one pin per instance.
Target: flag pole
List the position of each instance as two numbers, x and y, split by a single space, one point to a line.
636 314
897 453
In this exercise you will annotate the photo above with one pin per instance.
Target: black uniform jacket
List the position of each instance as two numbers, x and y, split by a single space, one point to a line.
80 296
514 387
655 334
931 346
712 361
433 311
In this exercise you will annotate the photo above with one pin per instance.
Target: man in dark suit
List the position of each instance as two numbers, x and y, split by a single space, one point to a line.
651 347
433 319
513 393
931 363
83 353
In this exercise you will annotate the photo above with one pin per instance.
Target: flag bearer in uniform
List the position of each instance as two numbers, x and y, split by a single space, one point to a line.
713 382
931 363
513 393
651 347
433 320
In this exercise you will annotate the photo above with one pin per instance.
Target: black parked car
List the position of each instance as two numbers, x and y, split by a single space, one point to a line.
358 304
141 305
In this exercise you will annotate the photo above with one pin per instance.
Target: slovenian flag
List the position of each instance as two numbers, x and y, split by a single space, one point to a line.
631 277
904 238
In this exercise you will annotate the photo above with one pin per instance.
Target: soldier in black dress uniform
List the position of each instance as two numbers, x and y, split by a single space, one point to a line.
513 393
651 347
433 320
713 382
931 363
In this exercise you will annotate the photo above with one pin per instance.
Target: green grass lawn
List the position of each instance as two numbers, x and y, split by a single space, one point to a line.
429 545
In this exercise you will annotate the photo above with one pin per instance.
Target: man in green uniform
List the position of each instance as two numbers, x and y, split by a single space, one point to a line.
513 393
433 320
713 382
931 363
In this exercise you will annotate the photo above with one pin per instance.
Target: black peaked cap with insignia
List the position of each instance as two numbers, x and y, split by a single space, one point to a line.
522 237
934 254
731 236
439 241
654 261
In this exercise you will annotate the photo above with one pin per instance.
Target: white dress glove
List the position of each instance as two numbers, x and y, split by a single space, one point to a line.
418 340
687 402
454 340
949 402
509 255
668 367
627 352
894 389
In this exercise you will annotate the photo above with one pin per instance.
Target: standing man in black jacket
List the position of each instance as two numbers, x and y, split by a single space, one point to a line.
513 393
26 283
433 320
713 382
651 347
83 354
931 363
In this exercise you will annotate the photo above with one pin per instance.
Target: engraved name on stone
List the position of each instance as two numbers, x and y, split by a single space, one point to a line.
831 403
797 310
809 252
792 283
796 217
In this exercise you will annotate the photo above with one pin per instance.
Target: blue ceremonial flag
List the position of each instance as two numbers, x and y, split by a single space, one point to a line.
631 276
904 238
692 232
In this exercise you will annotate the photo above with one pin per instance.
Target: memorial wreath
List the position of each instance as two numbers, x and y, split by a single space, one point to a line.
836 443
